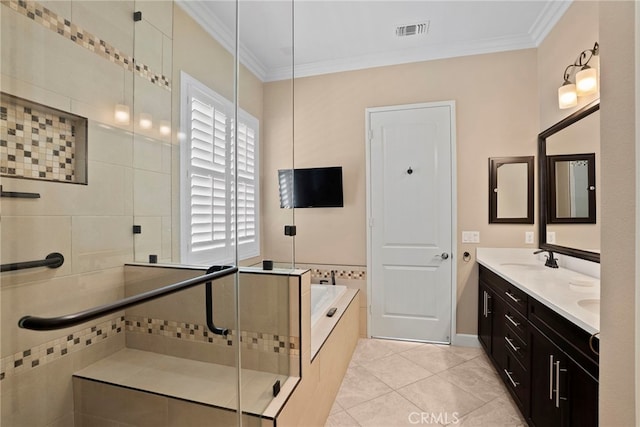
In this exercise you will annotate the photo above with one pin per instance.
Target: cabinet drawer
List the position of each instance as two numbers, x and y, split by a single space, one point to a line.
505 290
516 322
517 381
516 346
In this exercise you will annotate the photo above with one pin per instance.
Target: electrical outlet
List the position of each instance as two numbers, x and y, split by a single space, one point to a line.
551 237
528 237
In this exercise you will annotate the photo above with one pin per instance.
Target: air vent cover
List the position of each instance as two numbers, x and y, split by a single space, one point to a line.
412 29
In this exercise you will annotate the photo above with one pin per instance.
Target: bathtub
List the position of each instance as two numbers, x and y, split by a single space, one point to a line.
324 297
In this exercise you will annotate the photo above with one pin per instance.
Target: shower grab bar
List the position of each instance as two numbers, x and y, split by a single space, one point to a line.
52 323
53 260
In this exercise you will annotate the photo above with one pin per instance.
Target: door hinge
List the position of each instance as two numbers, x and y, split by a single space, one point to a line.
370 135
371 222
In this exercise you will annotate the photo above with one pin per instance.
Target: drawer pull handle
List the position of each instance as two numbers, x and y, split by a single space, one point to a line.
514 383
513 347
510 319
513 297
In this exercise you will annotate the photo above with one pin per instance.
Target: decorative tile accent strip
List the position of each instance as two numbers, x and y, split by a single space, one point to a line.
339 274
43 16
36 143
54 350
194 332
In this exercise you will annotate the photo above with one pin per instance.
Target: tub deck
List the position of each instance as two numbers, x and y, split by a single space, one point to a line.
200 382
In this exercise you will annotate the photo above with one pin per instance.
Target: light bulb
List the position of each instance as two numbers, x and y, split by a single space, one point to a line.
165 127
146 122
567 96
121 114
587 81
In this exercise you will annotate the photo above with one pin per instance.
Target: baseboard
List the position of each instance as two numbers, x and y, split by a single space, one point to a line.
466 340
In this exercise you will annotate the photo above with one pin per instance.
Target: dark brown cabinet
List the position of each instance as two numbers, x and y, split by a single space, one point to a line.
546 361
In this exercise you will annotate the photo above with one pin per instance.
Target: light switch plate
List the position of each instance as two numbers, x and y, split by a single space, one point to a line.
528 237
470 237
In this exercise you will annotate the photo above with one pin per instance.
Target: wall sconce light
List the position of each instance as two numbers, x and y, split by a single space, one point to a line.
146 122
121 114
586 79
165 127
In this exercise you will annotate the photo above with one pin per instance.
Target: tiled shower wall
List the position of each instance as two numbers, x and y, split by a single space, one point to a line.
129 181
269 332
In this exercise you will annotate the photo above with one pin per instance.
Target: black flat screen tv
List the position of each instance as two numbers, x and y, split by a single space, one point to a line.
311 188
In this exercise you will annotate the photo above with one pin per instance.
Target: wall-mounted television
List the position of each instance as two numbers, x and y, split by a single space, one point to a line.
311 188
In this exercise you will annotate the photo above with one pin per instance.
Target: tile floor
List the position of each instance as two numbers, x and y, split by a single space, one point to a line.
396 383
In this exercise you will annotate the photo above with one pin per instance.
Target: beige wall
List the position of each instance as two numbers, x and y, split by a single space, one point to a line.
619 275
496 115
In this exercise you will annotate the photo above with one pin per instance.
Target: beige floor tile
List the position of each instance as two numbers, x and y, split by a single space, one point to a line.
335 408
467 353
479 381
386 411
371 349
359 386
341 419
497 413
396 371
438 396
433 358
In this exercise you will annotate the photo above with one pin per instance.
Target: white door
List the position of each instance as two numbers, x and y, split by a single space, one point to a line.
410 218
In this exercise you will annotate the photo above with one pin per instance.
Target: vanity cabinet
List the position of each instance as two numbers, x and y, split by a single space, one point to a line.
502 330
546 361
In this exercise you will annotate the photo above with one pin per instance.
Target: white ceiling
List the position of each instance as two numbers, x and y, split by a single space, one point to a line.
339 35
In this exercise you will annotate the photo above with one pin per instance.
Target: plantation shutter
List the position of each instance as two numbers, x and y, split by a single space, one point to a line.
208 179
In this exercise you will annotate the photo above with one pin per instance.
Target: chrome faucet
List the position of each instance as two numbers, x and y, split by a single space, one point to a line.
551 261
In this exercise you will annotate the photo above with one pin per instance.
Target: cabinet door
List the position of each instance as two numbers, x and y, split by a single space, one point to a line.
545 411
581 394
484 317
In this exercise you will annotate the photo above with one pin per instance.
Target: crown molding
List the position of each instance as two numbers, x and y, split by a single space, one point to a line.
419 54
223 35
549 17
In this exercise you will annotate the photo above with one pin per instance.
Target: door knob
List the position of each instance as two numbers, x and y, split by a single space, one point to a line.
444 255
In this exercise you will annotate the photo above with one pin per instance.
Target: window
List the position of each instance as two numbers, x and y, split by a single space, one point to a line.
208 179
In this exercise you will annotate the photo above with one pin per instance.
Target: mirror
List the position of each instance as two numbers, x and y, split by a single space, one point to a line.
511 190
572 188
569 222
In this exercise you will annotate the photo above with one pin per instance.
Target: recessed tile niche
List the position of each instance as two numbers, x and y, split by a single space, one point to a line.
39 142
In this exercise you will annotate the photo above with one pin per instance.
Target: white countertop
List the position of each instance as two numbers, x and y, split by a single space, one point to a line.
560 289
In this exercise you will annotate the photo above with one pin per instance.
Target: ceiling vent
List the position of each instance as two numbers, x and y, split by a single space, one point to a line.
412 29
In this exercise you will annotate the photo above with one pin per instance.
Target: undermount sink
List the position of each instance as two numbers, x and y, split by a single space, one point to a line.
591 304
522 265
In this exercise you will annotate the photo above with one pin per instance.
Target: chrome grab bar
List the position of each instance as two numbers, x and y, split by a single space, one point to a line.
61 322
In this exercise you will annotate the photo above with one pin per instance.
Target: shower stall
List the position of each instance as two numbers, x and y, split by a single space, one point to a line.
133 200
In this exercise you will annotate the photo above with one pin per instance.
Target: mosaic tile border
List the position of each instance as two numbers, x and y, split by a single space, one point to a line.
60 347
55 349
48 19
339 274
194 332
